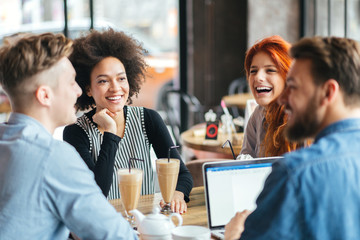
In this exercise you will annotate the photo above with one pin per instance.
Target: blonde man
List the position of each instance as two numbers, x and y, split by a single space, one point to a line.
45 187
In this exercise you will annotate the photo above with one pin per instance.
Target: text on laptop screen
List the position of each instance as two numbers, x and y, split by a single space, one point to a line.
234 188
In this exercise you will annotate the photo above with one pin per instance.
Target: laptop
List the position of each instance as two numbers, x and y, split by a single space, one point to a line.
232 186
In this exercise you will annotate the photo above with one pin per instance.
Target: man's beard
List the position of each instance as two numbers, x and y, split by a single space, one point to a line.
306 125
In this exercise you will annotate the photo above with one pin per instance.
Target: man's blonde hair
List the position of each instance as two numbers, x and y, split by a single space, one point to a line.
27 57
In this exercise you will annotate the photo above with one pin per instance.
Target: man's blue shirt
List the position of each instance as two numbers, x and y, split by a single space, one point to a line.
313 193
46 189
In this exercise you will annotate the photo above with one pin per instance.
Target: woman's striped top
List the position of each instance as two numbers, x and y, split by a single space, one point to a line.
134 144
144 128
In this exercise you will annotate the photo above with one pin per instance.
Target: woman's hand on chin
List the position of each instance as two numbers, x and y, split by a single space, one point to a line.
104 120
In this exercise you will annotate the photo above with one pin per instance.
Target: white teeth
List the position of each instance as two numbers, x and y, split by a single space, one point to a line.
263 88
114 98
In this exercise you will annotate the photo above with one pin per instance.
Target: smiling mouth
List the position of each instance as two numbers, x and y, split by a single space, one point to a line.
263 89
114 98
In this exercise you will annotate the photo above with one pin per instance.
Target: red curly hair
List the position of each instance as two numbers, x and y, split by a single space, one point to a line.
274 143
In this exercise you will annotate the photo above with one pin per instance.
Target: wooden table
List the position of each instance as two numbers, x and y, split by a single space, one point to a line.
194 139
238 100
195 215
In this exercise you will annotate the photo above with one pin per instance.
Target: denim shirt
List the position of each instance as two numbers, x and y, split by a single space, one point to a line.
46 189
313 193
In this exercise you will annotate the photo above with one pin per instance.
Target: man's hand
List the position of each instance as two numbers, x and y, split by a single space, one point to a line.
178 203
235 227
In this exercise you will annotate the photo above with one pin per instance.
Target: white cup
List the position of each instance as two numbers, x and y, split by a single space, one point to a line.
191 233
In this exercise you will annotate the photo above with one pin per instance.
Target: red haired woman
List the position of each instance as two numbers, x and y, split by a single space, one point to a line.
266 65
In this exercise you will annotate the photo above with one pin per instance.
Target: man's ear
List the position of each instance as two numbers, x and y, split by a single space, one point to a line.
44 95
330 90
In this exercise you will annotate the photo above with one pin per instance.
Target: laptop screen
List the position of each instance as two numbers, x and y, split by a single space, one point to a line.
232 186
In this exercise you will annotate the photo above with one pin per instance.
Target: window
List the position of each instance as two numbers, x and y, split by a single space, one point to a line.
154 23
331 18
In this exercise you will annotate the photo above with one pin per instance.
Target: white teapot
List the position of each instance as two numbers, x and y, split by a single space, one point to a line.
155 225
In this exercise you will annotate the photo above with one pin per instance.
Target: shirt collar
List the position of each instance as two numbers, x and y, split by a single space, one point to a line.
19 118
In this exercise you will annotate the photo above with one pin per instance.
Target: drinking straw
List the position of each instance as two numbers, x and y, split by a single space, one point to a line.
137 159
228 141
226 111
170 150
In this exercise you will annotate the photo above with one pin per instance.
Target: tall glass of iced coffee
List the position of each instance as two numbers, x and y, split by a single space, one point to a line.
167 171
130 181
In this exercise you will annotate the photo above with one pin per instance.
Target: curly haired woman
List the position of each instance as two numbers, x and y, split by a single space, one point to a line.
110 69
266 65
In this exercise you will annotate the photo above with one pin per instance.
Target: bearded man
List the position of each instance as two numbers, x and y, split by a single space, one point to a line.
314 193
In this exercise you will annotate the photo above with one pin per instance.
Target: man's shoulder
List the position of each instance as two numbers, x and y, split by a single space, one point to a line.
58 146
63 159
300 160
60 152
326 151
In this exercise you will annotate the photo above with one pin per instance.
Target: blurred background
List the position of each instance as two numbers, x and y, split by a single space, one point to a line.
196 48
154 23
